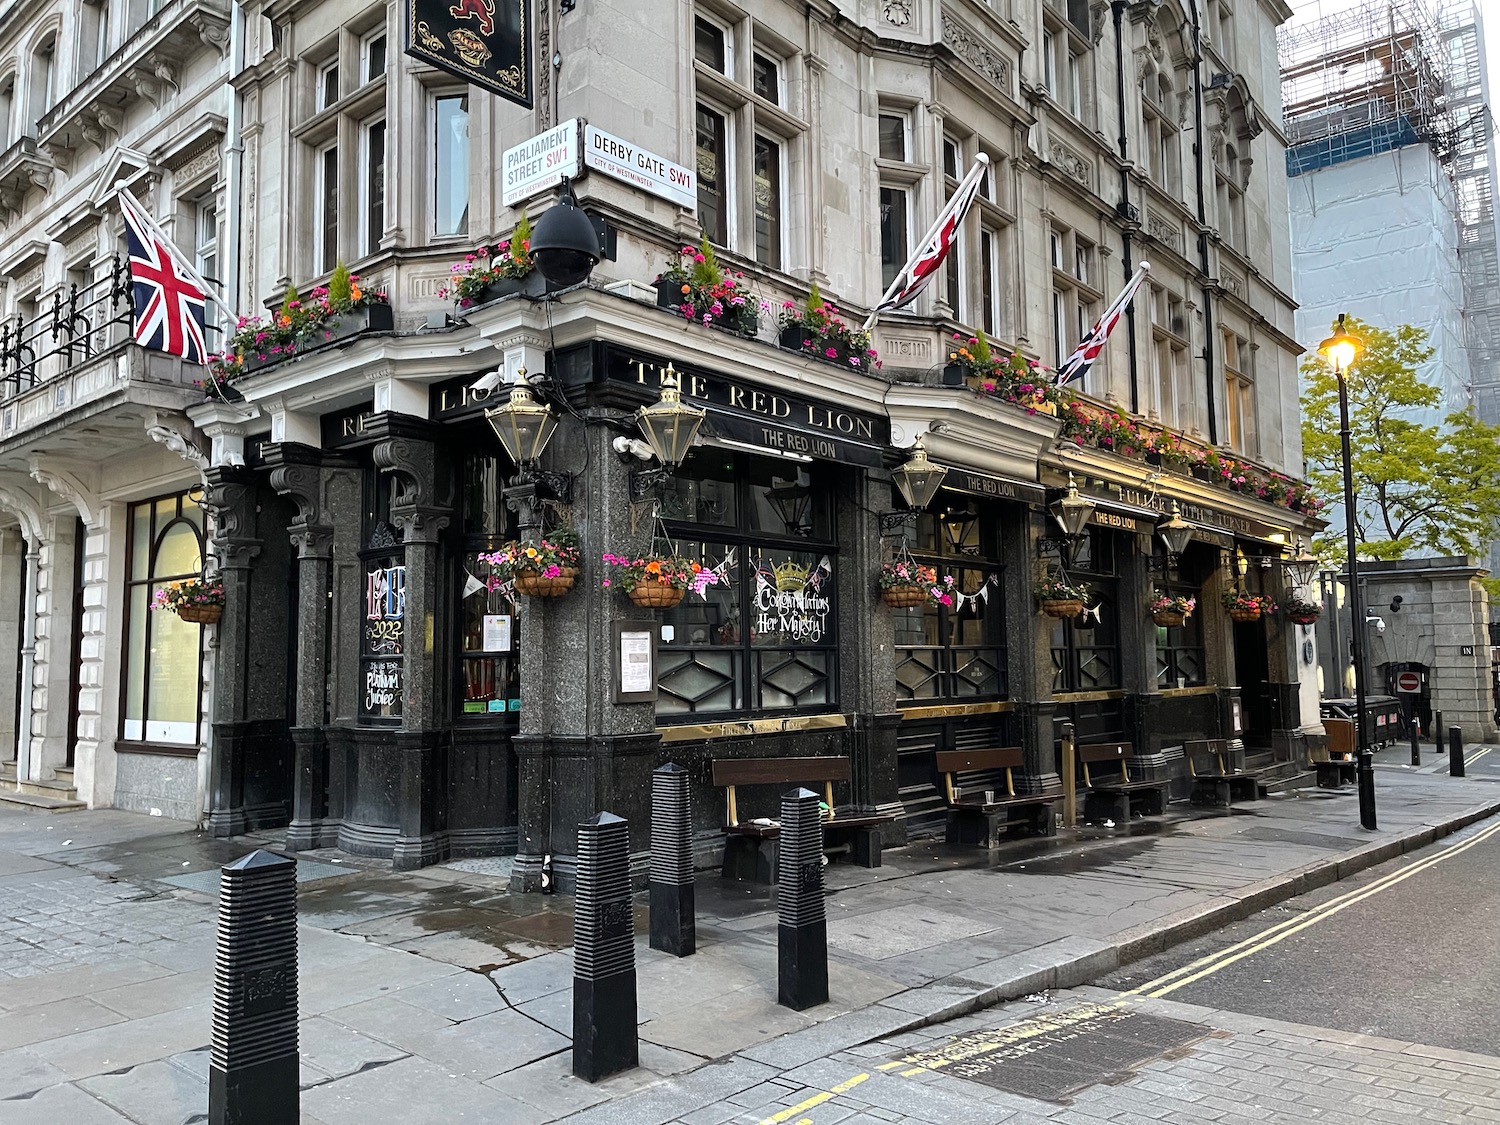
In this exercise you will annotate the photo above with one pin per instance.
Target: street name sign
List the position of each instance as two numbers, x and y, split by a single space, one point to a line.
539 163
622 160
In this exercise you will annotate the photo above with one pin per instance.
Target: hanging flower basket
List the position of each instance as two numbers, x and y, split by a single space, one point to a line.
1171 610
1062 607
656 594
540 568
1168 618
1302 618
550 583
906 584
199 600
903 597
1247 607
1302 612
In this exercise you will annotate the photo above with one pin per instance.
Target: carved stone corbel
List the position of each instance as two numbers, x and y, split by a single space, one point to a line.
146 85
307 486
416 507
171 436
70 488
28 511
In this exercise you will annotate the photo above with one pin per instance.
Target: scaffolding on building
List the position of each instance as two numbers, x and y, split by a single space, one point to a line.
1388 73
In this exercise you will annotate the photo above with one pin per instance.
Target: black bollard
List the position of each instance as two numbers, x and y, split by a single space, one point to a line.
604 1036
1416 751
673 925
1437 731
1455 751
802 933
253 1067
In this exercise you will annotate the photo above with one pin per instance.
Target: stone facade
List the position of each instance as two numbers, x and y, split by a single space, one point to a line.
364 466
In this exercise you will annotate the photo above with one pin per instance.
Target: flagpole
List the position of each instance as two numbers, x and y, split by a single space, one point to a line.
1114 309
981 162
193 275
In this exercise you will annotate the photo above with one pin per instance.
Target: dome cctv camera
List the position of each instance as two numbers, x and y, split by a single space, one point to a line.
1376 623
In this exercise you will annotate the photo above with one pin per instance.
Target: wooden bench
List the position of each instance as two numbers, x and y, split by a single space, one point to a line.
1215 781
974 820
1339 766
750 849
1112 795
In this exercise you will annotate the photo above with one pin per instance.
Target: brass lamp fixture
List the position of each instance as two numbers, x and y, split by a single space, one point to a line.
523 425
1072 513
1175 532
918 479
670 427
1301 568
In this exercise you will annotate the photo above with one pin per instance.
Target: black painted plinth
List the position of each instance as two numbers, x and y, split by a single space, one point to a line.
604 1035
674 927
803 959
261 1094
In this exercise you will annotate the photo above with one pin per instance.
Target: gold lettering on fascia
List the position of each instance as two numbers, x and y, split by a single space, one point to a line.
754 401
1112 519
987 486
354 426
457 398
1158 503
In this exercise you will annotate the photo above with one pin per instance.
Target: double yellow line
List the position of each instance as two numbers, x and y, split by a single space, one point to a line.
1205 966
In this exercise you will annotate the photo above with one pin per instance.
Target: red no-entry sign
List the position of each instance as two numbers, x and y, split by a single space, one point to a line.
1410 683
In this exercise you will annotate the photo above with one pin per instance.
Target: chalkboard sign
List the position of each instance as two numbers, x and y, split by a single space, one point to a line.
382 640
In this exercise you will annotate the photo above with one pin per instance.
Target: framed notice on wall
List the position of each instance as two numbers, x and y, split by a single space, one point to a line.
634 646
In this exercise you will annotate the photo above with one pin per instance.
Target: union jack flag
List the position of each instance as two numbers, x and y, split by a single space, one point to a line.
923 265
169 314
1077 365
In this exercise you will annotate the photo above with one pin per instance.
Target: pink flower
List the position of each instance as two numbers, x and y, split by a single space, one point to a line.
831 353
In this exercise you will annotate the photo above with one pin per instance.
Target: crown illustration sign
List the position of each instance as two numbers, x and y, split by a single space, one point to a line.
790 576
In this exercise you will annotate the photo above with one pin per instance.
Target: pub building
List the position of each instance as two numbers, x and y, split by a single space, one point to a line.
430 715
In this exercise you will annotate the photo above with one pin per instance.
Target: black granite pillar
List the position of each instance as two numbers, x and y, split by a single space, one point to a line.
867 654
1028 638
311 486
422 501
578 749
230 498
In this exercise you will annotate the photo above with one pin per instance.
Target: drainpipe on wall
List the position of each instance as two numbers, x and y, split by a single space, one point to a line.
1127 266
1199 166
234 159
28 663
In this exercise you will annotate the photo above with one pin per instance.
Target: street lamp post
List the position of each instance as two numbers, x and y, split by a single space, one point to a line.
1341 350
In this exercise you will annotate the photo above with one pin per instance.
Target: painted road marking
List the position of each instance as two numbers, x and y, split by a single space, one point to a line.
1013 1041
1474 758
816 1100
1270 936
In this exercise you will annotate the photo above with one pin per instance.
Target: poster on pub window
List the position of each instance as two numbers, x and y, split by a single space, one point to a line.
484 42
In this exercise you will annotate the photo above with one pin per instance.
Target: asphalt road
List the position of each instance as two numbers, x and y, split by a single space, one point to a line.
1408 950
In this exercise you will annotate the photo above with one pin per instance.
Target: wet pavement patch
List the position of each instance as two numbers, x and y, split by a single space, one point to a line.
207 882
1054 1055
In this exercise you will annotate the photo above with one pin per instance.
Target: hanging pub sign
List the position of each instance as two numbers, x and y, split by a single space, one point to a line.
484 42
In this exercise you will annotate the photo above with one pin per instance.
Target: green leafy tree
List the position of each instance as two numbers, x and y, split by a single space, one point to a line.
1419 488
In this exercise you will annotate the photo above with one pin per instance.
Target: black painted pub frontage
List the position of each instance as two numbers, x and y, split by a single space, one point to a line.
390 702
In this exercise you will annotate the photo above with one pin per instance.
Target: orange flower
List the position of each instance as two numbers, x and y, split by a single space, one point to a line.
653 568
354 292
686 289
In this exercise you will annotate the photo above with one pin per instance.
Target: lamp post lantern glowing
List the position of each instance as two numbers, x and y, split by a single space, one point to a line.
1342 351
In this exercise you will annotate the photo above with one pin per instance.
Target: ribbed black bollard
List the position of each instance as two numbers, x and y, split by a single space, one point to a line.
252 1071
802 935
604 1036
1437 730
1456 752
674 927
1411 729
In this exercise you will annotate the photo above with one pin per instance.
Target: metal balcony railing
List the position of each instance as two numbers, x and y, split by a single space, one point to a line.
81 322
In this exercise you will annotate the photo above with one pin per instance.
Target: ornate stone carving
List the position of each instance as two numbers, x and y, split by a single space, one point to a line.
307 485
28 511
897 13
974 51
1163 230
416 507
1073 165
70 488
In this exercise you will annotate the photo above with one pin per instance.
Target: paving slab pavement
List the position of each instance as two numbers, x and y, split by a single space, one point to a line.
440 990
